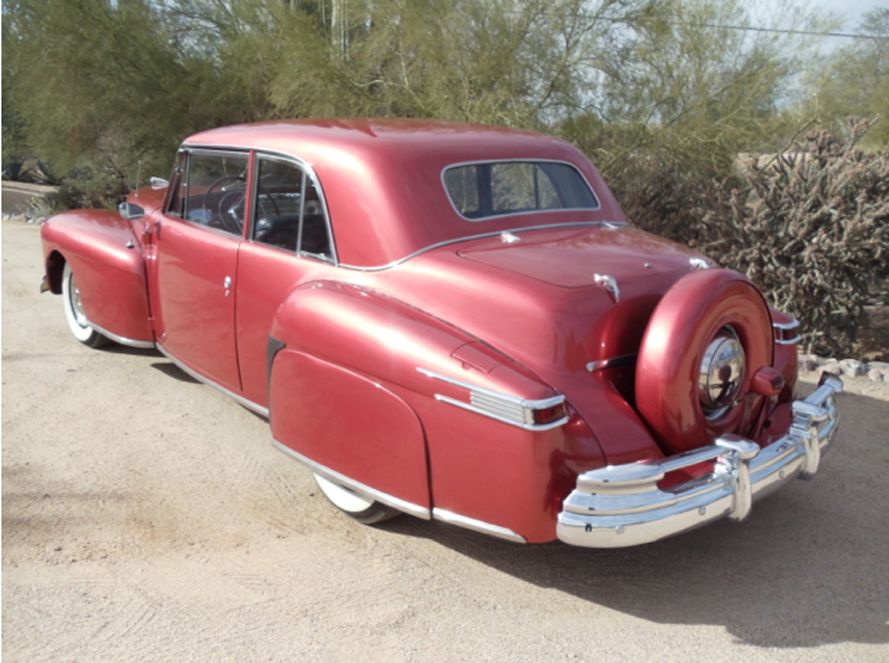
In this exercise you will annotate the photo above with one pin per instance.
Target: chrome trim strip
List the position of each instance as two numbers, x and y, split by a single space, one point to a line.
536 404
611 362
505 408
460 164
781 327
466 238
452 518
122 340
505 420
209 150
250 405
333 475
623 505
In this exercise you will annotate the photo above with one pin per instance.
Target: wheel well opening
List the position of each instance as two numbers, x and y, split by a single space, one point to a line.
55 265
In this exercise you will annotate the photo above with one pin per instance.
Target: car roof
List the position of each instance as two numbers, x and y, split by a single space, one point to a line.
381 178
371 133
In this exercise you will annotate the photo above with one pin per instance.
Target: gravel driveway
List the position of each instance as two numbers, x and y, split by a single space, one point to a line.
147 517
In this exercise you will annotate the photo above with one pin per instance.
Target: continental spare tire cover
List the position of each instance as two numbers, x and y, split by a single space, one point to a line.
710 310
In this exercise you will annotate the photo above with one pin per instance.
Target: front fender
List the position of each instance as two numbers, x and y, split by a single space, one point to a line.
109 266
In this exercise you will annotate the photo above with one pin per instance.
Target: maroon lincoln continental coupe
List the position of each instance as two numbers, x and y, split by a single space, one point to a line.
455 322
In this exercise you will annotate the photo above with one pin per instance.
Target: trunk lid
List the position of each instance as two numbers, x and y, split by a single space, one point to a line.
572 258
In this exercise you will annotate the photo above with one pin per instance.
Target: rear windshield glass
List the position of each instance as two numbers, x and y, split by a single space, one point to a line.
482 190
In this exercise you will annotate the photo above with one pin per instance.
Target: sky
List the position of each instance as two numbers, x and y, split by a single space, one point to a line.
851 10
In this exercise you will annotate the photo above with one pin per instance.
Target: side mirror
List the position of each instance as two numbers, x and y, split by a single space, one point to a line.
158 183
130 211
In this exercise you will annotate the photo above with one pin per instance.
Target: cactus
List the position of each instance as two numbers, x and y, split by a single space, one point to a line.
811 228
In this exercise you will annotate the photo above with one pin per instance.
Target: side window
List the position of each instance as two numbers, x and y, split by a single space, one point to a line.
289 213
217 189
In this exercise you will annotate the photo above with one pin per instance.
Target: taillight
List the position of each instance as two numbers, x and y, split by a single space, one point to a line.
530 414
549 415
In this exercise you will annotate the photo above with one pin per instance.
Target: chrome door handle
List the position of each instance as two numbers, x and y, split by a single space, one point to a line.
227 283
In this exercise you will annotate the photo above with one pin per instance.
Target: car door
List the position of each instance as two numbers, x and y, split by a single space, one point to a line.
192 278
290 242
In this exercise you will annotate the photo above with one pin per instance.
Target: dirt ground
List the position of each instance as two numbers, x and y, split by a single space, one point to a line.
146 517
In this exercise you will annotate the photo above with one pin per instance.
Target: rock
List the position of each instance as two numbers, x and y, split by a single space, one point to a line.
808 362
831 366
876 375
852 367
880 365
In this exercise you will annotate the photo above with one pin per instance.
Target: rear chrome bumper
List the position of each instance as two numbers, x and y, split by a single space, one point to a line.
622 505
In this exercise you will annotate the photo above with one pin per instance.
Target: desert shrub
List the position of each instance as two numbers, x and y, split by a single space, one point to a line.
811 228
89 187
668 196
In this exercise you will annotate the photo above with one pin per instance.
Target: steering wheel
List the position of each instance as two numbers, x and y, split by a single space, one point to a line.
269 197
222 211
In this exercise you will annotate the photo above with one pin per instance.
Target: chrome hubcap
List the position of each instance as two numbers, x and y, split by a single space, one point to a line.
77 303
721 373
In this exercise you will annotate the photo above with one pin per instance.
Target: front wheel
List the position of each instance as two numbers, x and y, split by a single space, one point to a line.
74 314
362 508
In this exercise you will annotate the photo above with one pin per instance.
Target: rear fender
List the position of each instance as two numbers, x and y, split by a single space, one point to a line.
107 260
346 393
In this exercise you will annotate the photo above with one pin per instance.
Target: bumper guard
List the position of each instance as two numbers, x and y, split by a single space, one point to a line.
622 505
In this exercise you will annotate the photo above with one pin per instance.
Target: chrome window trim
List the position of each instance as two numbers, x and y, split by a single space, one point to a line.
466 522
122 340
307 168
499 409
206 151
378 495
493 233
250 405
478 162
175 183
308 173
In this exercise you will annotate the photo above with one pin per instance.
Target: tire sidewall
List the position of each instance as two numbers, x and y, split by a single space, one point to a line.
79 329
335 493
689 315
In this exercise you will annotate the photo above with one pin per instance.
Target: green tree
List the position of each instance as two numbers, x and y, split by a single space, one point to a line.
855 81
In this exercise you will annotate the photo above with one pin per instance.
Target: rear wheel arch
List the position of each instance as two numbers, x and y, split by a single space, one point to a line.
353 429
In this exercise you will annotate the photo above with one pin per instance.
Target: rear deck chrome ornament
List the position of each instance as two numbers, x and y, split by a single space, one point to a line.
699 263
609 284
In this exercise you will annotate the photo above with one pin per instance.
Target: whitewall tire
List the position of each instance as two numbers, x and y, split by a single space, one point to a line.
362 508
74 314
